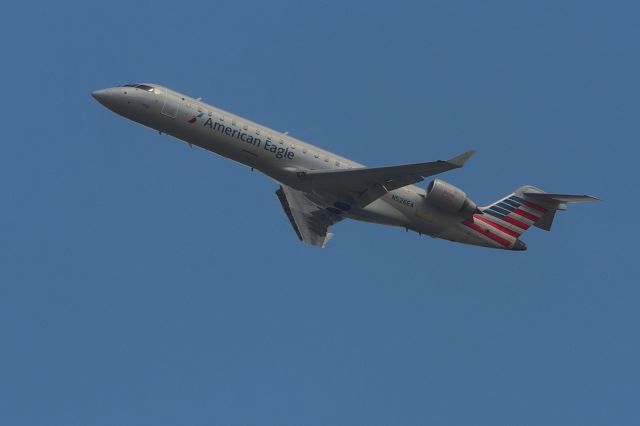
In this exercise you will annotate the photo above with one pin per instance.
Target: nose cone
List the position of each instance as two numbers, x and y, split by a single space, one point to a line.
111 98
101 96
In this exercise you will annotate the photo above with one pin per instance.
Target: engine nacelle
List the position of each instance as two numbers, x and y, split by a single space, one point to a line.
449 198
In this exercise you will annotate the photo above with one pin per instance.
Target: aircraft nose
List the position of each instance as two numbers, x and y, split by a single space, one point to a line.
100 95
110 98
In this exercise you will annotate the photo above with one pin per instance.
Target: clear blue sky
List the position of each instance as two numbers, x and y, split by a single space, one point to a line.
144 283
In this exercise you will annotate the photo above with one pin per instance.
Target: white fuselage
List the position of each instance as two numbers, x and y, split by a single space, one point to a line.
275 154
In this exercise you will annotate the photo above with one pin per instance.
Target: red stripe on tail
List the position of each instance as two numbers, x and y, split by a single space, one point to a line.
515 222
526 215
497 226
535 206
503 242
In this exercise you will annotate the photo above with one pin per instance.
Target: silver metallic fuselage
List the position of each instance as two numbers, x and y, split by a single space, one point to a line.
275 154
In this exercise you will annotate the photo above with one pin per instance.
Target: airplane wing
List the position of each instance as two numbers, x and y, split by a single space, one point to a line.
364 185
309 220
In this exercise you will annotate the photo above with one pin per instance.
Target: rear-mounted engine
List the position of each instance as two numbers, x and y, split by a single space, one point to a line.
449 198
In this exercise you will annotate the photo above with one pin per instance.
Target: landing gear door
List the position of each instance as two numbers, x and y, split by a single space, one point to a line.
170 107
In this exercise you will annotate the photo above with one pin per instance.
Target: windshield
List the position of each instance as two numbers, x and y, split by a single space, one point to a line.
139 86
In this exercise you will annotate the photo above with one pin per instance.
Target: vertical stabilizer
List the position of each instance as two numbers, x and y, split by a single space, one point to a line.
529 206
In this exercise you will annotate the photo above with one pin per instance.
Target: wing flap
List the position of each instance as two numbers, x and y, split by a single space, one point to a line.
309 220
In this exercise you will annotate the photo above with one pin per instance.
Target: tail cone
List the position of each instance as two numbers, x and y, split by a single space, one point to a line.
519 246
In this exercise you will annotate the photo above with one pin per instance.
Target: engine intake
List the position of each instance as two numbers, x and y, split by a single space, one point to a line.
449 198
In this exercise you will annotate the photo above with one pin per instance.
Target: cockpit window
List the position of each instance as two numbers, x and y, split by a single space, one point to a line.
139 86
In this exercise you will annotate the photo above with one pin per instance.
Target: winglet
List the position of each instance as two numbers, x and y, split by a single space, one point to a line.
326 239
462 158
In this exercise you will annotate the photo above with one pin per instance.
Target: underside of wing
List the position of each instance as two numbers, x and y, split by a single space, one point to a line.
364 185
310 221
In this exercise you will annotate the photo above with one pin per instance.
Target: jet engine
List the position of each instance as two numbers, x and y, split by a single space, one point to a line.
449 198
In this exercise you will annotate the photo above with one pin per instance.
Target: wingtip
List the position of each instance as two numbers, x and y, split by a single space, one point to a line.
327 238
459 160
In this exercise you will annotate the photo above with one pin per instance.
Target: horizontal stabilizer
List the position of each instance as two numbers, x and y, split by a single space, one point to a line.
529 206
553 203
560 198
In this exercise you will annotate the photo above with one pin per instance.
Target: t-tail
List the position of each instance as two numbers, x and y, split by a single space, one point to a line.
501 223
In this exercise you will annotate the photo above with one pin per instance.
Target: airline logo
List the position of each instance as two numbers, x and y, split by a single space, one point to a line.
504 221
195 117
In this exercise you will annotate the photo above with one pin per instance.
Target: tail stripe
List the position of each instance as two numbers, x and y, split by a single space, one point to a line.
535 206
504 223
494 214
499 227
534 212
512 203
505 220
508 219
485 232
505 206
526 215
516 222
499 210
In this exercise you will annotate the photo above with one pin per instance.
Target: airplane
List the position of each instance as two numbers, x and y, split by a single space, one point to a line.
318 189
